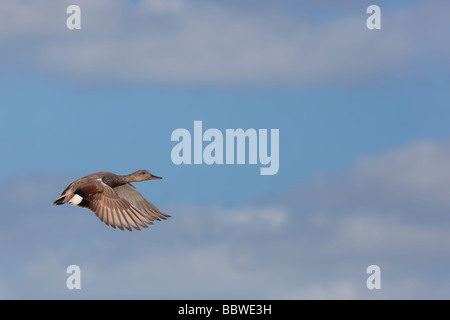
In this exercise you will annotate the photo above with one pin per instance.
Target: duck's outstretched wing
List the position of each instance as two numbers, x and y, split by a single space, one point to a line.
109 206
129 193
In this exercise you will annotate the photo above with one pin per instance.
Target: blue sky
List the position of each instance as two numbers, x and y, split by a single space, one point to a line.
363 119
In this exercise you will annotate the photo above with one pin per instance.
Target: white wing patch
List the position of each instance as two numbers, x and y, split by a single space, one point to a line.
76 200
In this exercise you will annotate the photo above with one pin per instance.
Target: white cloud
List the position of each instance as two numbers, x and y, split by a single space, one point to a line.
255 217
422 168
161 6
334 291
387 235
178 42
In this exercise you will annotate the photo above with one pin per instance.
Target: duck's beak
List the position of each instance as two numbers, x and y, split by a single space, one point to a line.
152 177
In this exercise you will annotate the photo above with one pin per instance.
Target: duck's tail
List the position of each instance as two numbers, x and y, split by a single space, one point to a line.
60 200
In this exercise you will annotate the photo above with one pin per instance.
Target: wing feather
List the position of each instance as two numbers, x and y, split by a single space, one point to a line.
111 208
128 192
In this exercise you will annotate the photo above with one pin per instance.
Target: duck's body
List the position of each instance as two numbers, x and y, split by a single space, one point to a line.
113 199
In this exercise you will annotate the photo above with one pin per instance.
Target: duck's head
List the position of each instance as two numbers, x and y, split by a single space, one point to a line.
143 175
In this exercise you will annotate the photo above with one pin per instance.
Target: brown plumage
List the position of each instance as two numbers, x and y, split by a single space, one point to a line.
113 199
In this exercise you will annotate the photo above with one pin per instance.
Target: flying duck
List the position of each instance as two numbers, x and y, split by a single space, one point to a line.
113 199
